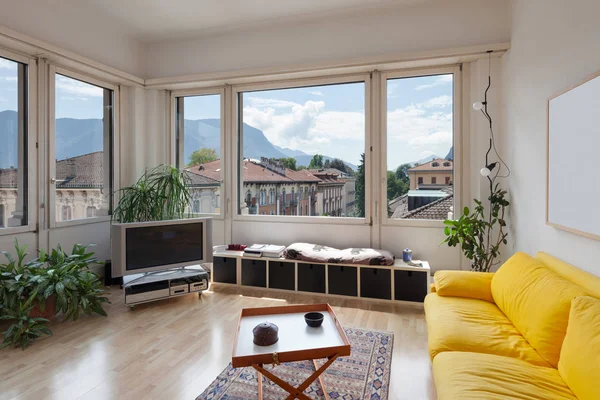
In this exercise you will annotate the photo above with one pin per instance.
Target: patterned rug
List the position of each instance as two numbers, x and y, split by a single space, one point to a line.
363 375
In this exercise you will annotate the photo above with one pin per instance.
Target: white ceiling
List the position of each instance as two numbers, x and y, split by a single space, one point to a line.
157 20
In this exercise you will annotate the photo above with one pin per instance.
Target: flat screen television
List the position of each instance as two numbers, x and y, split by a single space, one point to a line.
159 245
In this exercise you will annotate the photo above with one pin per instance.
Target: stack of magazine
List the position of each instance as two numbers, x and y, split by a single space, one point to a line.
264 250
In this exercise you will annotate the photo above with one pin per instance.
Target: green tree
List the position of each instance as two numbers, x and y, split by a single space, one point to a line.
359 201
289 162
202 156
316 162
341 165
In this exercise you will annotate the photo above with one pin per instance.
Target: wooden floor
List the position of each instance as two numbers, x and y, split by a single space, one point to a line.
173 349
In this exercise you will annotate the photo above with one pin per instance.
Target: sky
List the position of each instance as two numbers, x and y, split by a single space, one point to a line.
74 99
328 120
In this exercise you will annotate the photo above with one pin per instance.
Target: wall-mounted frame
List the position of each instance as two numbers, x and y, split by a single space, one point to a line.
573 139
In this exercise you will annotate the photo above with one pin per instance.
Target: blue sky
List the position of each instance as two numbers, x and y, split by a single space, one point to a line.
329 119
74 99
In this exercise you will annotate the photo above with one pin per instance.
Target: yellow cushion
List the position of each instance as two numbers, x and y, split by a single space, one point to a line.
475 376
474 285
537 301
588 282
579 363
459 324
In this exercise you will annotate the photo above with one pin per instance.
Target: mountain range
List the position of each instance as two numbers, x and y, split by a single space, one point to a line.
83 136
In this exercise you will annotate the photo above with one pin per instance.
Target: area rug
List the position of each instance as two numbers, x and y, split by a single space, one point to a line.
365 374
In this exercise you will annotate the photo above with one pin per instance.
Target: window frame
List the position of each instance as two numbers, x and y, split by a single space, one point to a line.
457 140
53 70
177 143
237 184
31 156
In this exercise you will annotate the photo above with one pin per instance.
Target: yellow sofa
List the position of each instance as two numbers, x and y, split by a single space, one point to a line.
529 331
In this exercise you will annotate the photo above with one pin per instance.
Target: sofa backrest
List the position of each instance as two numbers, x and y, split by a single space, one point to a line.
537 301
586 281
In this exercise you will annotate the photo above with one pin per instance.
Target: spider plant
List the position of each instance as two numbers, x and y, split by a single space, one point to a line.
160 194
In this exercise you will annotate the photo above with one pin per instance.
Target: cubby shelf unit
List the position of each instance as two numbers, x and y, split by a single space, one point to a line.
399 282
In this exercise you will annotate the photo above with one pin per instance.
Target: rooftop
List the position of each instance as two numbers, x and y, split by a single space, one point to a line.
438 164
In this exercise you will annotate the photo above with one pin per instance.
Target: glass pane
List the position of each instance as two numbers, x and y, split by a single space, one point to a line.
302 151
13 144
201 158
420 155
83 145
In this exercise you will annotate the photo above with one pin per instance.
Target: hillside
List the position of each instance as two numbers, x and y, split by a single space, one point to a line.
83 136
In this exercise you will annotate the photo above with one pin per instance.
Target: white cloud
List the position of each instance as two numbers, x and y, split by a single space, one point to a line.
77 88
317 93
439 101
275 103
414 132
7 64
9 78
441 80
417 127
426 153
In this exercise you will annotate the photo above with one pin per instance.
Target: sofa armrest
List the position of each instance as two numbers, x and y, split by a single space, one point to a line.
472 285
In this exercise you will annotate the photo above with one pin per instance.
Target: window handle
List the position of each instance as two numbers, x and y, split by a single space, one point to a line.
54 181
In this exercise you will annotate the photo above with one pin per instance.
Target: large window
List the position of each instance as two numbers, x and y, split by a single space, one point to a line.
13 144
83 133
198 149
420 147
305 148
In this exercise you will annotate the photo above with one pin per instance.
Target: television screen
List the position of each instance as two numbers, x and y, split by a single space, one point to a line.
154 246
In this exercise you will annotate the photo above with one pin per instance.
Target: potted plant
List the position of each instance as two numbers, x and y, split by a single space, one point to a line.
55 282
480 236
160 194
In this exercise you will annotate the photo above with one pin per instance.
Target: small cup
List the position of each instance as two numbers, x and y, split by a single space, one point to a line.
314 319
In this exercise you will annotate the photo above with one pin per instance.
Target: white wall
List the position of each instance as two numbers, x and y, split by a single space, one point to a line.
74 28
554 45
429 26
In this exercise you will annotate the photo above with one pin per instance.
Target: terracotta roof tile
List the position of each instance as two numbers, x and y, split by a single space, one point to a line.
437 210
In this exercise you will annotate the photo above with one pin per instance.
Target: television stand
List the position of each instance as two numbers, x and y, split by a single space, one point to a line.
153 286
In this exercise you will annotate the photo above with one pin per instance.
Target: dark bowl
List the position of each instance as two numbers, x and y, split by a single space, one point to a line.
313 319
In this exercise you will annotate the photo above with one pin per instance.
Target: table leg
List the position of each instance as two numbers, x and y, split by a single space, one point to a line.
260 388
295 393
322 382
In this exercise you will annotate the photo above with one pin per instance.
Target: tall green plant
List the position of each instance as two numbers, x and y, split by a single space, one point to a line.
477 234
160 194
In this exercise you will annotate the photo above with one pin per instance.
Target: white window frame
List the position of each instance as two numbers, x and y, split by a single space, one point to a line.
457 141
220 90
293 84
52 71
32 139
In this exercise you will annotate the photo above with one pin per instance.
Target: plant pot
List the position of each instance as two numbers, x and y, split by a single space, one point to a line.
48 312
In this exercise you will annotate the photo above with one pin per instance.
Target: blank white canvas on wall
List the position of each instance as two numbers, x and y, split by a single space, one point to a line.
573 202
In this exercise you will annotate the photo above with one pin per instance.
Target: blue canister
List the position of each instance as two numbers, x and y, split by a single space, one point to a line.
407 255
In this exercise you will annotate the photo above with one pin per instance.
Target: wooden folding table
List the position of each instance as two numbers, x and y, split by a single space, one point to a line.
297 342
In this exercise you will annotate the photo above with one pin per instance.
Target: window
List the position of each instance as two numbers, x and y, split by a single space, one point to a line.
196 206
13 144
66 214
198 147
419 127
90 212
291 137
83 135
